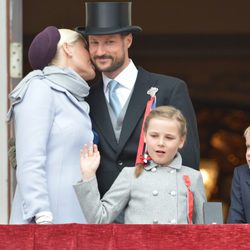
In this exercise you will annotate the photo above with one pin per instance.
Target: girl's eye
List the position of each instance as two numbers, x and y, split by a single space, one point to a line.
169 137
153 135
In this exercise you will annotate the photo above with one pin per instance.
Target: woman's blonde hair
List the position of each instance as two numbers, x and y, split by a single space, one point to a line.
166 112
66 36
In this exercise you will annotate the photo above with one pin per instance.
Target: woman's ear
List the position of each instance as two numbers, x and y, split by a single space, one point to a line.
67 49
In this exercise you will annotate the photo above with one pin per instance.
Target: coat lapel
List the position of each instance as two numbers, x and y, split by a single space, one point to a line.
136 106
248 183
100 115
247 176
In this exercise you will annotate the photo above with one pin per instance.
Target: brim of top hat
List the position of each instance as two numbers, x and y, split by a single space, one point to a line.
107 31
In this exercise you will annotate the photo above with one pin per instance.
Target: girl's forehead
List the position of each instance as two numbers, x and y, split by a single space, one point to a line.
163 123
162 120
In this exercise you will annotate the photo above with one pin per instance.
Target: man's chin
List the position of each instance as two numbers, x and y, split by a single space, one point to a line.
102 68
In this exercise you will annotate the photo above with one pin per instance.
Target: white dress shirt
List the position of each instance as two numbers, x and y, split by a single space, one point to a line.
126 81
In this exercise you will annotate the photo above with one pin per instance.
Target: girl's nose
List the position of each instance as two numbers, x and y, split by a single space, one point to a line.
161 141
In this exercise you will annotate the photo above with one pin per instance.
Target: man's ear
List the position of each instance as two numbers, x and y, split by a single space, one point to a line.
129 40
67 49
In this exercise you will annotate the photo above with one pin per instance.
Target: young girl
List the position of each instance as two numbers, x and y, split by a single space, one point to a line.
163 191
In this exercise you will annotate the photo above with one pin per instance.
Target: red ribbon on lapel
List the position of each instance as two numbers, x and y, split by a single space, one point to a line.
141 147
190 197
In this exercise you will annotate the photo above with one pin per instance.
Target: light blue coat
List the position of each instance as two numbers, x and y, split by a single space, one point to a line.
158 195
51 127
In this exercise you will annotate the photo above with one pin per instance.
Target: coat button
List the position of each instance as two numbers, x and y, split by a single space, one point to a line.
173 193
155 193
120 163
153 170
155 221
172 171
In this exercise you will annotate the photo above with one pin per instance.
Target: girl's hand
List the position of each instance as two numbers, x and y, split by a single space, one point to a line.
89 161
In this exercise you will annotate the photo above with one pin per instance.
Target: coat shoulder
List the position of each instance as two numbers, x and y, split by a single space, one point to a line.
193 173
44 87
38 89
160 77
242 169
129 171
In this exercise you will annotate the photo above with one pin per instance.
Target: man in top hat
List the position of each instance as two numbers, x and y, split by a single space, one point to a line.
117 107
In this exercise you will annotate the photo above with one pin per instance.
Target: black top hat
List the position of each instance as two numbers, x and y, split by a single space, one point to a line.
103 18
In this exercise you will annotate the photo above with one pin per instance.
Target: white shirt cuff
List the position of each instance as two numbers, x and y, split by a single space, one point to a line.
44 217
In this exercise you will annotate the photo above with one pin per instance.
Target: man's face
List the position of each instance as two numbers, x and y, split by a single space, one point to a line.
109 53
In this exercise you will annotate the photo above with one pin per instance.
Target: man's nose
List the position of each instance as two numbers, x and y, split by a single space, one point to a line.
100 50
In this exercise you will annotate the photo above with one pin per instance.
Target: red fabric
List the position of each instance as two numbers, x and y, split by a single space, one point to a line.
141 146
55 237
16 237
119 237
190 197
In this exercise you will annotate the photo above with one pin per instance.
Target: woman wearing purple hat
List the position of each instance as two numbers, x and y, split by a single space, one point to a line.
52 124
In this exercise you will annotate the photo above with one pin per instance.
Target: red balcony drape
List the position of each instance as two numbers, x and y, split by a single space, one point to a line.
129 237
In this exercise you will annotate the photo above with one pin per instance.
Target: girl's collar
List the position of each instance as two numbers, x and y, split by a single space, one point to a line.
176 163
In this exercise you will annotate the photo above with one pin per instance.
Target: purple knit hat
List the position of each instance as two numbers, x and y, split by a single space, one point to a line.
43 47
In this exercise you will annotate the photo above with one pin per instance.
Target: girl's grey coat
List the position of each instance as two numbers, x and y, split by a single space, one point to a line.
158 195
51 127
